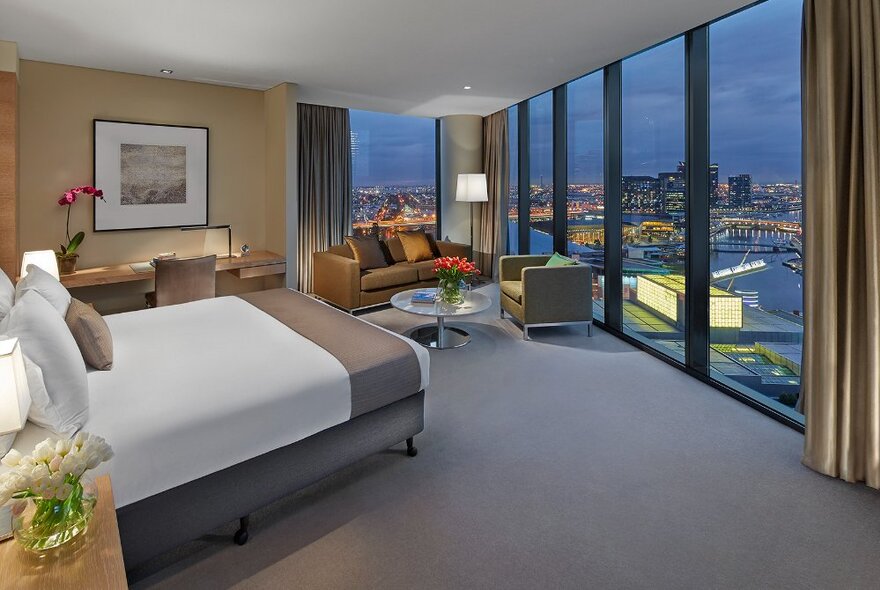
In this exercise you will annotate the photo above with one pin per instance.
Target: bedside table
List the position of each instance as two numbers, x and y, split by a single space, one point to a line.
92 560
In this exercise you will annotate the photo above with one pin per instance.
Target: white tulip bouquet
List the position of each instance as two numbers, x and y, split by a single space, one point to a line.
52 477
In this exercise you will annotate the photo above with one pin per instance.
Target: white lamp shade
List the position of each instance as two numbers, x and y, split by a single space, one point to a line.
472 188
15 398
45 259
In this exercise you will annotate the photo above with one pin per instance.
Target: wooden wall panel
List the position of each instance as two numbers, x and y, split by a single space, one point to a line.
9 173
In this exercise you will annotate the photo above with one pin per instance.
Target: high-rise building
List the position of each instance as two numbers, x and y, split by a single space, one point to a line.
714 195
672 190
640 193
740 189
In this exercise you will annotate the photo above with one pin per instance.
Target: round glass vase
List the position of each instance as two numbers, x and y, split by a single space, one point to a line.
40 525
449 291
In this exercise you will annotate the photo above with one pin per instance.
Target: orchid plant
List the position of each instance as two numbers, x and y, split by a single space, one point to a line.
68 199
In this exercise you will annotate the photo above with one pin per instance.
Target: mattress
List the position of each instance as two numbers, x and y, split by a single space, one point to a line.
199 387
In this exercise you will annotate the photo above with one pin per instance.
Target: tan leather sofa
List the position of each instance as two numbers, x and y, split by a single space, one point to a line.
537 295
338 279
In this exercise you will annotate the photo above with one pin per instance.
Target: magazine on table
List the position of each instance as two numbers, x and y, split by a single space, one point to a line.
425 296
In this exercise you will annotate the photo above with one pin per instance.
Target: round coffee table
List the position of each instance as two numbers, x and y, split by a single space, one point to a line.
440 335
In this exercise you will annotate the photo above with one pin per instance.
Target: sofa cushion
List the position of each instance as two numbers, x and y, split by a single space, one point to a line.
424 268
416 246
512 289
395 248
391 276
367 251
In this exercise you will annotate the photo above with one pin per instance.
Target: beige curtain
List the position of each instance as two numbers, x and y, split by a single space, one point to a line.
496 164
324 183
841 376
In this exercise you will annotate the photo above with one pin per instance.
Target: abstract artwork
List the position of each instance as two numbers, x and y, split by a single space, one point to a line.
154 176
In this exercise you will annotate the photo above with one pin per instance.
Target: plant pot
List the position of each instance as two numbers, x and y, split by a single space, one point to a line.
43 524
67 264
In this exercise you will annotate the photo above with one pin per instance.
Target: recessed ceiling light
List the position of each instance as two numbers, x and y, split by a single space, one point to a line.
166 71
467 87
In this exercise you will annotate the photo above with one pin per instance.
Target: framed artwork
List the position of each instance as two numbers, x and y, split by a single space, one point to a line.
153 176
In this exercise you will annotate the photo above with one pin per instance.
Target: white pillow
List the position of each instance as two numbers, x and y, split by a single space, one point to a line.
6 443
63 404
46 285
7 297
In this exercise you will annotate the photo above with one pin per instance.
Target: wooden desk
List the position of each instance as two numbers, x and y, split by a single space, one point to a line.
92 560
257 264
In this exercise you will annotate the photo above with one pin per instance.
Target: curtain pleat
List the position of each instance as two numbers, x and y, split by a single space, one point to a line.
496 165
324 183
841 110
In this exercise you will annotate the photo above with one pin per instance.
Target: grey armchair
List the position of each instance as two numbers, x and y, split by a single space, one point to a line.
537 295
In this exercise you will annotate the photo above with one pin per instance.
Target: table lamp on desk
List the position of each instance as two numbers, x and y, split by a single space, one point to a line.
226 226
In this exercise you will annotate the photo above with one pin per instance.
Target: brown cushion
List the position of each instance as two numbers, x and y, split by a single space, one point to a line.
415 245
392 276
91 334
395 248
367 252
424 268
512 289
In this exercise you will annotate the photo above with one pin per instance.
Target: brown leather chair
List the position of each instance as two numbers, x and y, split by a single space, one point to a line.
180 280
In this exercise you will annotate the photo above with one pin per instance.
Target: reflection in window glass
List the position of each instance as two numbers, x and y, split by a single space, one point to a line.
393 173
653 197
755 206
586 188
541 174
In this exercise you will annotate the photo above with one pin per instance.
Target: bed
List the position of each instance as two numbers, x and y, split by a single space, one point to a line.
219 407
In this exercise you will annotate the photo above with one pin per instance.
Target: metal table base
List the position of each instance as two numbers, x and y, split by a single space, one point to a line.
439 335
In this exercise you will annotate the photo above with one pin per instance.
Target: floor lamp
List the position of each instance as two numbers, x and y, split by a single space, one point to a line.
472 189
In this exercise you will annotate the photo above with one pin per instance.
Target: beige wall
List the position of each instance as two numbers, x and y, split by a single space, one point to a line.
57 106
282 184
461 152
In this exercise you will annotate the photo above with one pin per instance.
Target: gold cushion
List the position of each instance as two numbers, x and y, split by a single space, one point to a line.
91 333
395 248
415 245
424 268
367 252
512 289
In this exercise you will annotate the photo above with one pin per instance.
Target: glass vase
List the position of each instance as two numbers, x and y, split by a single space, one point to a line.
43 524
450 292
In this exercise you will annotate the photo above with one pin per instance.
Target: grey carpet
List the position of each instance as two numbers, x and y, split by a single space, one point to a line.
565 462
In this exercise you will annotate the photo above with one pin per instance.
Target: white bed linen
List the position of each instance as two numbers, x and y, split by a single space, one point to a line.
199 387
237 384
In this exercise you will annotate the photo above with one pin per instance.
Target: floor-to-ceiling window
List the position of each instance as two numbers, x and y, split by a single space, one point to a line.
541 174
653 196
513 194
585 204
393 173
756 244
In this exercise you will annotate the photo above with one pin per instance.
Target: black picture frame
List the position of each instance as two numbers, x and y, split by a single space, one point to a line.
111 192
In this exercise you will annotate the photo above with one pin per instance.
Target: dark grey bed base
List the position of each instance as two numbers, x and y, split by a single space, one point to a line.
162 522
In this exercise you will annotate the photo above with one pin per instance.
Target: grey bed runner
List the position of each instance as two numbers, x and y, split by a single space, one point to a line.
382 368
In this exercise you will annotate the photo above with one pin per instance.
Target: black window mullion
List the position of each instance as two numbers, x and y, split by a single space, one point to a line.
613 189
560 168
524 181
698 186
437 179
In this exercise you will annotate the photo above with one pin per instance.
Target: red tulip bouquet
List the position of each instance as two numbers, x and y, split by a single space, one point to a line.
452 272
67 256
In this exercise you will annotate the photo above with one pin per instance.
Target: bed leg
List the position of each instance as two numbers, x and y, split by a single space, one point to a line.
410 449
241 535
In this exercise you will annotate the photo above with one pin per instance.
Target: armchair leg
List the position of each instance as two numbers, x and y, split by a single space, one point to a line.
502 313
590 330
526 333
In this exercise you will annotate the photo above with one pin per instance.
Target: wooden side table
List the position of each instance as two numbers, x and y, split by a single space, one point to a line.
92 560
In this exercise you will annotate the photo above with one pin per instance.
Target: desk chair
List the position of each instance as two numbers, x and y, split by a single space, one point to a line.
179 280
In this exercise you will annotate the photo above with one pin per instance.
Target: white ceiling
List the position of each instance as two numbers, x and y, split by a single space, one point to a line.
400 56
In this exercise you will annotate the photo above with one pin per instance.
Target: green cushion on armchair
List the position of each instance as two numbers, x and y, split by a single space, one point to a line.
560 260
